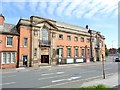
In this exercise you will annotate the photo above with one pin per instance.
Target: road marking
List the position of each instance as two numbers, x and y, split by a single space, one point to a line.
68 79
8 83
59 72
52 77
58 80
72 78
76 81
8 76
47 74
51 73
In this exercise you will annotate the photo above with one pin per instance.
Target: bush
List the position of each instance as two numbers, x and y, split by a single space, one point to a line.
98 87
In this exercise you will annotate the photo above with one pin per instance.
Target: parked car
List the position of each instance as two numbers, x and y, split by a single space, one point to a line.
117 59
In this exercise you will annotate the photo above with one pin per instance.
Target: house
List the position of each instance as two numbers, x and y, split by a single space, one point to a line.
8 44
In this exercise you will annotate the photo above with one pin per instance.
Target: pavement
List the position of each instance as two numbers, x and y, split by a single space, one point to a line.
110 81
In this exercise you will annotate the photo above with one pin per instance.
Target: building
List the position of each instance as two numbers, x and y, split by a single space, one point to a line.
44 41
8 44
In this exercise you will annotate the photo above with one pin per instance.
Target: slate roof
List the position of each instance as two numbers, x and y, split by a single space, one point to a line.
8 28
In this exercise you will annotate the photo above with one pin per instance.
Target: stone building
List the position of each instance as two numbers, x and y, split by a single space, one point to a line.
48 42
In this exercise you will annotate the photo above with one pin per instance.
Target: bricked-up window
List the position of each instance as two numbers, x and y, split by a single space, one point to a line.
9 41
25 42
88 40
76 39
35 52
8 57
60 36
76 52
69 52
83 52
68 38
82 39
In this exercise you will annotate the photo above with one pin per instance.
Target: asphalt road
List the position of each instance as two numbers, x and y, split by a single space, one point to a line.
61 76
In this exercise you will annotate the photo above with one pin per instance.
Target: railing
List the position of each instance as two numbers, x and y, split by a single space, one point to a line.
44 43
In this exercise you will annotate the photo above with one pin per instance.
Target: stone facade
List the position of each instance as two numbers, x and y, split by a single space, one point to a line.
43 41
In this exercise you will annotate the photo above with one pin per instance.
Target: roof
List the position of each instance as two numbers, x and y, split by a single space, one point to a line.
8 28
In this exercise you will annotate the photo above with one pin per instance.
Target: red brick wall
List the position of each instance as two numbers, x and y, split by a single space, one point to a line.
24 32
5 48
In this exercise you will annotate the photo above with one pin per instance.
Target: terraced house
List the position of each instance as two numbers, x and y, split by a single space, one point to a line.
44 41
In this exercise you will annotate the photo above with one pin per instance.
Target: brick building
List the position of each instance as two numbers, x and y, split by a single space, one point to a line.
44 41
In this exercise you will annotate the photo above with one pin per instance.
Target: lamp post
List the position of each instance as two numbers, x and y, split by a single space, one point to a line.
90 31
103 67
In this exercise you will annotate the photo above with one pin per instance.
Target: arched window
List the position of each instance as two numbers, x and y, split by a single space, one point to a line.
45 33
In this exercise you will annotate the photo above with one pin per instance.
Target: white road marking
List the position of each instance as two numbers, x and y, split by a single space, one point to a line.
58 80
72 78
51 73
47 74
52 77
68 79
59 72
8 83
8 76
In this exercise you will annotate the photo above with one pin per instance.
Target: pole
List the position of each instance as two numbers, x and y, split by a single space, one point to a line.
103 68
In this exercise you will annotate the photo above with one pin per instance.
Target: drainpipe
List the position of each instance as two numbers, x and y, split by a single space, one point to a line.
18 50
30 62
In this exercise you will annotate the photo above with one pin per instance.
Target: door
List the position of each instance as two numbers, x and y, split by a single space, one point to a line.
23 58
44 58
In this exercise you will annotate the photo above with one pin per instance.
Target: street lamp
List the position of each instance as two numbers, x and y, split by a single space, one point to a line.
90 31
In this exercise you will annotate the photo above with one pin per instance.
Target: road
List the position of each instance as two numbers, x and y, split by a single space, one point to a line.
60 76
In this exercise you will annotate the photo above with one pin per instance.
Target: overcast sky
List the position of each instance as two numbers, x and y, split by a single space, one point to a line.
100 15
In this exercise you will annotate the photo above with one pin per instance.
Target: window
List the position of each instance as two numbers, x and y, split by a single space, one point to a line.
68 52
9 41
88 52
35 33
76 52
76 39
88 40
3 58
8 57
12 57
68 38
60 52
82 52
60 36
35 52
45 33
25 42
82 39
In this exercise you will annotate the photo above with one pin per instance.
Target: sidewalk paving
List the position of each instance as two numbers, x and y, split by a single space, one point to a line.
109 81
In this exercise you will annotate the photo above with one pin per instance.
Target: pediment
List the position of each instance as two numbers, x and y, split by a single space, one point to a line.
46 23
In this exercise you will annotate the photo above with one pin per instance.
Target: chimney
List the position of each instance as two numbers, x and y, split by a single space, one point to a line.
86 26
1 20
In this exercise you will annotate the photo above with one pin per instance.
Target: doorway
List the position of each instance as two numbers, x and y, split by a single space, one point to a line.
44 58
23 58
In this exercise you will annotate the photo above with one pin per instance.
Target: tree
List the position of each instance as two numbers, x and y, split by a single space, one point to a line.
106 50
119 49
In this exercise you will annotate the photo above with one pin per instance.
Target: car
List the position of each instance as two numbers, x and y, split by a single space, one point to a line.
117 59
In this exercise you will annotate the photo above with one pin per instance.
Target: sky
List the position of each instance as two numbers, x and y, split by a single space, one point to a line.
100 15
